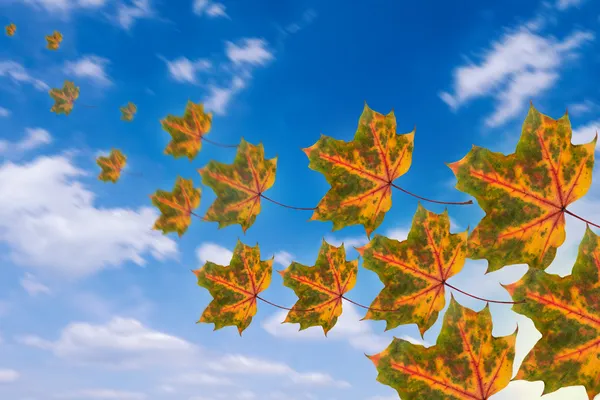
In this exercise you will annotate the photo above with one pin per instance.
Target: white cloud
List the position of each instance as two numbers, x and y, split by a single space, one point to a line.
212 9
128 14
65 6
47 215
213 252
34 138
582 108
219 98
184 70
4 112
101 394
33 286
252 51
201 379
90 67
518 67
348 242
564 4
585 133
8 375
19 74
120 343
284 258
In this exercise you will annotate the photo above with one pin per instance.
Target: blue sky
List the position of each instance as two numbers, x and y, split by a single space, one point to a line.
96 305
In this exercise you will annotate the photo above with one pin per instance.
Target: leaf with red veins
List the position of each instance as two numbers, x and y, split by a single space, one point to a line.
235 288
525 194
64 98
111 166
176 207
187 131
239 186
320 288
414 271
361 172
567 312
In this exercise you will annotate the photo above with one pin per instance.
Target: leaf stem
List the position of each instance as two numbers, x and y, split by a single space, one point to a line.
278 306
430 200
481 298
286 206
218 144
581 219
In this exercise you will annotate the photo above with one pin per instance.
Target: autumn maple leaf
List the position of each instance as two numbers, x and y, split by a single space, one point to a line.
239 187
361 172
235 288
525 194
111 166
415 270
64 98
187 131
466 363
54 40
567 312
128 112
11 29
176 207
321 288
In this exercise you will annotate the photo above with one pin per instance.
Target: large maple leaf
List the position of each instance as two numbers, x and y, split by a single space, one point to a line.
176 207
235 288
567 312
466 363
525 194
54 40
128 112
320 289
415 270
11 29
361 172
239 187
187 131
64 98
111 166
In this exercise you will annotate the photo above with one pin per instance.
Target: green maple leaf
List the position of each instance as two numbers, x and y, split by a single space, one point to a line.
128 112
176 207
64 98
187 131
111 166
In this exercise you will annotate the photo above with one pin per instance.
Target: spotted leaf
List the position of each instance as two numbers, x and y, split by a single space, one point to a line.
525 194
64 98
176 207
361 172
566 310
187 131
235 288
415 270
466 363
321 288
239 186
54 40
111 166
11 29
128 112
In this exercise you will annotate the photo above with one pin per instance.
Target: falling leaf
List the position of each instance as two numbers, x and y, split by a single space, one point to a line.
525 194
467 363
187 131
361 172
235 288
239 186
415 270
111 166
566 310
320 289
128 112
11 29
176 207
64 98
54 40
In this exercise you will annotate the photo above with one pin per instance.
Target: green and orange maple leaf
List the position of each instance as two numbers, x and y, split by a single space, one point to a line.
415 270
128 112
64 98
176 207
187 131
566 310
525 194
239 187
11 29
466 363
235 288
54 40
111 166
320 289
361 172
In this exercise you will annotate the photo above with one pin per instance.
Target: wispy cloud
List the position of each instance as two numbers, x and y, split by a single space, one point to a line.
209 8
4 112
137 9
32 286
34 138
16 72
89 67
185 70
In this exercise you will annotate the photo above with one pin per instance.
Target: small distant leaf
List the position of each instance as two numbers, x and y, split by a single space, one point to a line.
467 363
176 207
187 131
525 194
128 112
566 310
320 288
54 40
11 29
361 172
111 166
235 288
239 186
415 270
64 98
